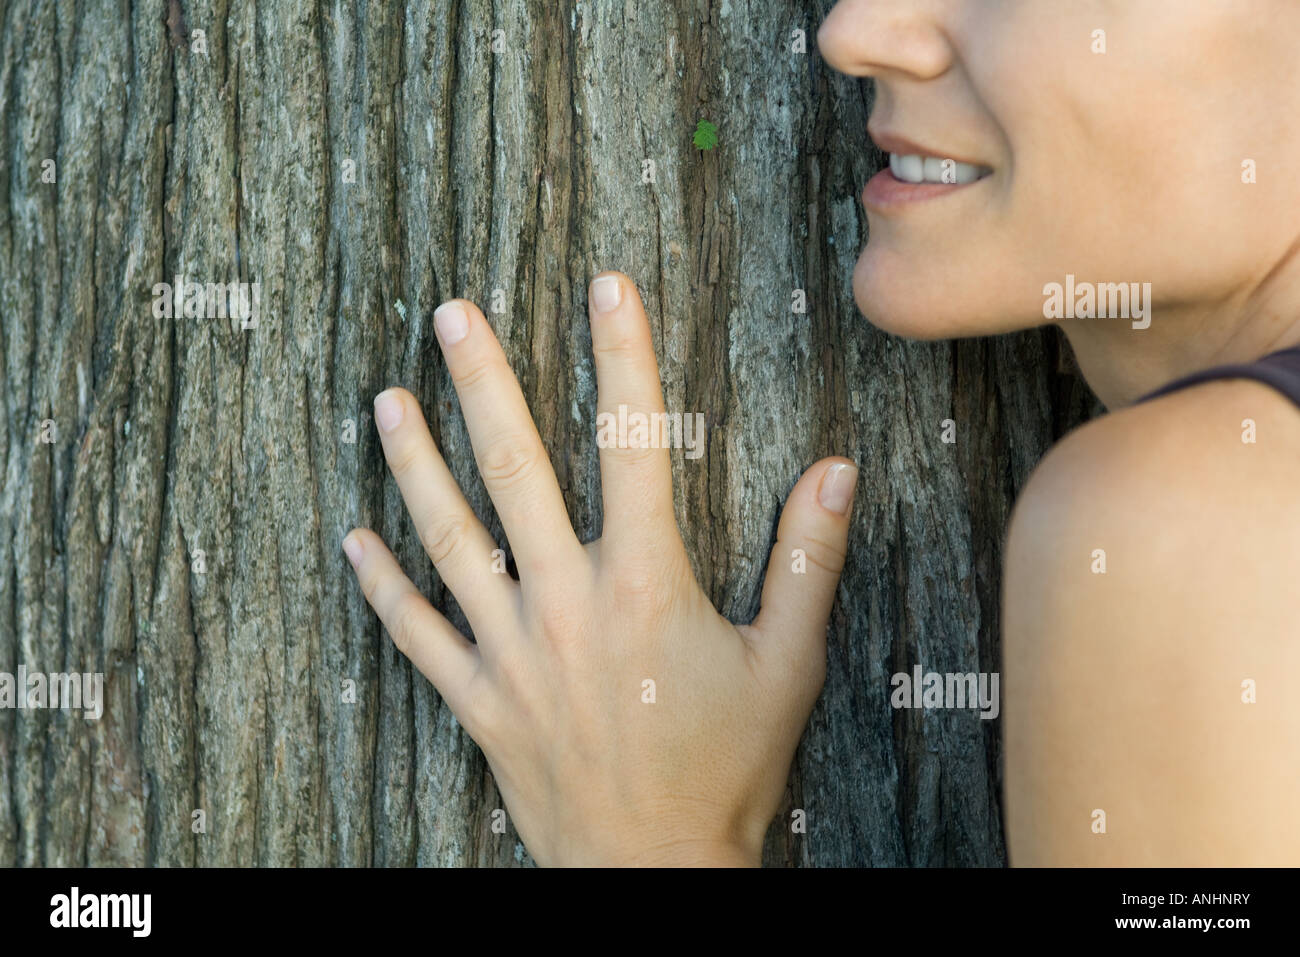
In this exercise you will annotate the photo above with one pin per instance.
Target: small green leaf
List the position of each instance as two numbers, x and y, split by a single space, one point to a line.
706 135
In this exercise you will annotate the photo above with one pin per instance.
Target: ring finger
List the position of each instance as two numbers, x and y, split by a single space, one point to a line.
453 537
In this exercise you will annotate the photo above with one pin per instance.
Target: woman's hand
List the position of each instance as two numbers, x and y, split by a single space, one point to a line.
596 764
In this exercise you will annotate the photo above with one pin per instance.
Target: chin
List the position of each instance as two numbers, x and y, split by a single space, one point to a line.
899 300
914 301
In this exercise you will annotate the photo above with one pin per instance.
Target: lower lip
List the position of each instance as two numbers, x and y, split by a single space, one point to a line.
885 191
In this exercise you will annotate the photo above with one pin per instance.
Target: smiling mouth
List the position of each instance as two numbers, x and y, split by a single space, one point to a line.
915 176
914 168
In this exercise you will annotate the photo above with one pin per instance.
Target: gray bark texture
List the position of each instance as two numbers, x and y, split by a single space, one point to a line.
176 490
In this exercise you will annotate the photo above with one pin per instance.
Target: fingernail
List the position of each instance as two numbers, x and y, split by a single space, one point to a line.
388 411
451 322
836 493
353 549
606 293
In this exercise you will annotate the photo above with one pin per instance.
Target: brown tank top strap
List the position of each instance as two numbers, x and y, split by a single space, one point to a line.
1279 369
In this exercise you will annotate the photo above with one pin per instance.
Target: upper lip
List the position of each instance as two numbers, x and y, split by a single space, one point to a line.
890 143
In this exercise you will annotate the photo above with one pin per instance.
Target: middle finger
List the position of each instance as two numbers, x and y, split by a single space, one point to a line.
511 458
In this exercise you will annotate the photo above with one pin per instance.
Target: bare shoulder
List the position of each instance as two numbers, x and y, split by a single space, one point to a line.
1217 465
1152 637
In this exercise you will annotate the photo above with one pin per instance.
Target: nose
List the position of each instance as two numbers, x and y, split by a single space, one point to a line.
886 37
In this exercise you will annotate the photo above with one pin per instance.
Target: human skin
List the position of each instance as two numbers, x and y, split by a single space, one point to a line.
1125 690
591 770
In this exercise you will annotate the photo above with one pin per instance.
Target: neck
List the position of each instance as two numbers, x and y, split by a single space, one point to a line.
1122 364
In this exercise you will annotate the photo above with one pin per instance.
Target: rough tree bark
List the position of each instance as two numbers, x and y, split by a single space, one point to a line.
351 156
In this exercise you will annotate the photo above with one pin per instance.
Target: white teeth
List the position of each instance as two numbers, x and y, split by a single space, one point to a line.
932 169
911 169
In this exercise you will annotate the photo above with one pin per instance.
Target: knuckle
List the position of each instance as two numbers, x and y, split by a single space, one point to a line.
406 619
638 456
443 537
561 616
828 557
640 589
509 665
473 376
507 463
619 347
402 458
555 613
513 675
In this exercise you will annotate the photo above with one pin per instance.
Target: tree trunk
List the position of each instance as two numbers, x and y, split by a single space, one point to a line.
176 489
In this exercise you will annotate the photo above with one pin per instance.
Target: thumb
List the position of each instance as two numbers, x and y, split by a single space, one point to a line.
804 569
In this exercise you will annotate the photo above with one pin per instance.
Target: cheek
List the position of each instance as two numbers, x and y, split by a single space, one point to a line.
1128 164
1114 195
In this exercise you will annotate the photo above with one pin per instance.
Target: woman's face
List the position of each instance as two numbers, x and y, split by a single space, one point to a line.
1118 166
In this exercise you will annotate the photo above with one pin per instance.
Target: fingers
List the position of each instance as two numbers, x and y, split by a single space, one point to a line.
439 651
515 468
804 570
453 537
635 473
